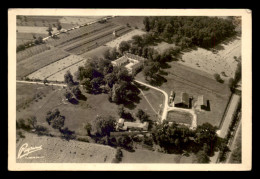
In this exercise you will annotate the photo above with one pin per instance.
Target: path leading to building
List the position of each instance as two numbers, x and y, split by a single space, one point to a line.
222 132
233 143
41 83
164 113
167 108
148 102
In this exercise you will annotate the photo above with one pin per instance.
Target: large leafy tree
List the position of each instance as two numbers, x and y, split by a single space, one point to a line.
124 46
103 125
55 119
68 78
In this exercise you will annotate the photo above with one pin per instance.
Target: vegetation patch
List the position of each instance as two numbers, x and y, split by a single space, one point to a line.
179 117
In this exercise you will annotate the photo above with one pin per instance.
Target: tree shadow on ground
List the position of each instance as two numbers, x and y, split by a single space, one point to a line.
142 87
157 80
165 65
82 97
164 73
131 102
74 101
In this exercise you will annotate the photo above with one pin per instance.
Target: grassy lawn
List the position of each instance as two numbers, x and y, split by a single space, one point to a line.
146 156
77 115
57 150
26 94
179 117
184 79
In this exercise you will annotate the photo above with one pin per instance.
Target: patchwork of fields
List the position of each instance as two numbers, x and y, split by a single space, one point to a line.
35 30
79 19
57 67
59 75
36 62
193 74
126 37
221 62
29 52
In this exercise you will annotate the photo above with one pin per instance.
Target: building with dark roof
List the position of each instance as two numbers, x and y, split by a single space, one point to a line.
182 100
202 102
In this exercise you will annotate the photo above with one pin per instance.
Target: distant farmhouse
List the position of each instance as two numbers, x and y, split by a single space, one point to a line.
132 63
182 100
124 126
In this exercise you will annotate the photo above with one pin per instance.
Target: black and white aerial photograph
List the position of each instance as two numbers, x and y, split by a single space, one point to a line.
128 89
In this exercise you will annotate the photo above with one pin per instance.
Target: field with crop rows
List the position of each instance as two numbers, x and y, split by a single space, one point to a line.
125 37
77 33
35 30
55 67
29 52
97 40
59 76
79 19
40 21
27 37
81 38
32 64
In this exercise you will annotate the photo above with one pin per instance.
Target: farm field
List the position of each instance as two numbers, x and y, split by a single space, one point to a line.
55 67
133 21
27 93
41 21
79 19
221 61
57 150
32 64
29 52
58 75
179 117
96 41
34 30
22 38
184 79
125 37
146 156
78 33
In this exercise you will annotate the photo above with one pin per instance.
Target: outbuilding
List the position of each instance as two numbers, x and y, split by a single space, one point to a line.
182 100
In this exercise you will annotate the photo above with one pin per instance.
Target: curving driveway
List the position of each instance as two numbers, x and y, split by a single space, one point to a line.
168 108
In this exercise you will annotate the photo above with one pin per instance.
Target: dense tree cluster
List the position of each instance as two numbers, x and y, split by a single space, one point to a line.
153 67
124 114
103 125
186 31
176 139
110 54
55 119
99 76
142 116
